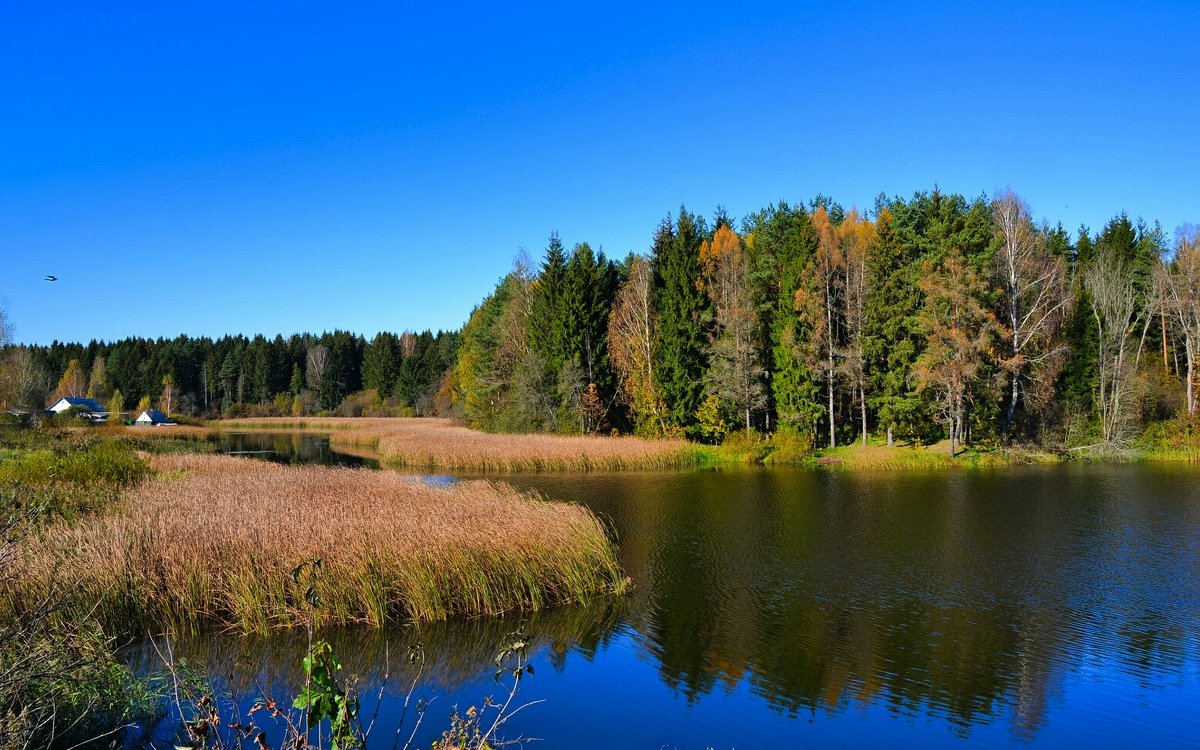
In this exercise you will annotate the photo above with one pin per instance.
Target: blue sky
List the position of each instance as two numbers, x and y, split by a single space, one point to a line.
300 167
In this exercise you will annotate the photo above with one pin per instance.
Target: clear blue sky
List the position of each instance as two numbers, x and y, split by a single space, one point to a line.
300 167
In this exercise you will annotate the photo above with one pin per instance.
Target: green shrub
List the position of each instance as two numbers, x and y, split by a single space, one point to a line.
789 446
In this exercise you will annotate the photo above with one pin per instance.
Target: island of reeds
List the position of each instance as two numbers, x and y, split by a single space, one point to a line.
113 533
212 540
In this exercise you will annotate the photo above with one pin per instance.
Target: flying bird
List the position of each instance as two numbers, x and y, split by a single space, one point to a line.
50 277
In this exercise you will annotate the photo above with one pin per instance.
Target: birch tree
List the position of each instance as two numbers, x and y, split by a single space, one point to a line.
1180 285
1035 300
1113 288
632 333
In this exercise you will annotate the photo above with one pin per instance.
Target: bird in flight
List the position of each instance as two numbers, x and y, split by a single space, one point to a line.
50 277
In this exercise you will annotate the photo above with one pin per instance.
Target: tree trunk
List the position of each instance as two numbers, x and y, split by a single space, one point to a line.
829 347
1162 312
1189 345
890 438
1012 408
862 403
832 437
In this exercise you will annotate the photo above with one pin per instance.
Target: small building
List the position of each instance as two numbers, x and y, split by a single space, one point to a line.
86 408
152 418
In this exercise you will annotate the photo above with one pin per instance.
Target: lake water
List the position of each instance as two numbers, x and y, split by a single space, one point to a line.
1042 606
290 448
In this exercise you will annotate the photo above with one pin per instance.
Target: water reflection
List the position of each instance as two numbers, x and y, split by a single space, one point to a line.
1056 605
291 448
960 595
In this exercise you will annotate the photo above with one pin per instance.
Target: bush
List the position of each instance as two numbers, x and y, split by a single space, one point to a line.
789 446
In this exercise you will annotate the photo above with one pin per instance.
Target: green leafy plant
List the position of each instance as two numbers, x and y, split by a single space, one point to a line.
324 699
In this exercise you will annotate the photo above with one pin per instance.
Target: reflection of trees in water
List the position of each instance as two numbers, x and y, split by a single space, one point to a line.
295 448
969 596
456 652
966 595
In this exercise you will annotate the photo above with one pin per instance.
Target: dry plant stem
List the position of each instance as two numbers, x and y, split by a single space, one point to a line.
213 541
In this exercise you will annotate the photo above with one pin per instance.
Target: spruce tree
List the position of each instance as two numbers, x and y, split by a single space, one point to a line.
682 308
890 336
781 244
547 316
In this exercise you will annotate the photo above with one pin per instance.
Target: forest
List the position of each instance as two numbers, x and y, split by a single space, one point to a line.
331 373
930 318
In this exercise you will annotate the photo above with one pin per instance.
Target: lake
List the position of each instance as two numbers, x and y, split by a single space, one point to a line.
1050 606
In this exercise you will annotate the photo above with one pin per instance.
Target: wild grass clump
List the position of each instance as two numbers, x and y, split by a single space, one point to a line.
168 439
857 456
744 447
1174 440
60 684
70 477
441 445
98 463
217 543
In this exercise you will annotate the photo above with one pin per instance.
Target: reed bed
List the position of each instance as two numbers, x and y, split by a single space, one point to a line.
170 432
438 444
441 445
215 539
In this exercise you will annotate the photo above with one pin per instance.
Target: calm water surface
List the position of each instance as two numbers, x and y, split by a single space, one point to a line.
1045 606
289 448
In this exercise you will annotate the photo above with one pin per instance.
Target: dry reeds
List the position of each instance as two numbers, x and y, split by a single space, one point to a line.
216 538
441 445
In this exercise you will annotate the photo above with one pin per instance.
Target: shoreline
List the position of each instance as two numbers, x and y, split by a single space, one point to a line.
410 443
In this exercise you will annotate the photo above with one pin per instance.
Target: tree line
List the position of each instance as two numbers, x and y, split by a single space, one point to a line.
933 317
929 318
304 374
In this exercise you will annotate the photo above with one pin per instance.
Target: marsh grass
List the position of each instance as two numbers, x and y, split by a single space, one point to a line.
907 457
214 540
440 445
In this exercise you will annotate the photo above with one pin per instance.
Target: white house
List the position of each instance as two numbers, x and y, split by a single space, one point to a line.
88 408
152 418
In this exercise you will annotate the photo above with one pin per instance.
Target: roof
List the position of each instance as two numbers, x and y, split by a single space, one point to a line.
152 415
85 403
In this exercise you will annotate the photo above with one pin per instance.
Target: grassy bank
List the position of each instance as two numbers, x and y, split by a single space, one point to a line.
440 445
214 540
937 456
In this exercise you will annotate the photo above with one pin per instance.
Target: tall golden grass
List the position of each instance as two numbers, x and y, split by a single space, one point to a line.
214 540
439 444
